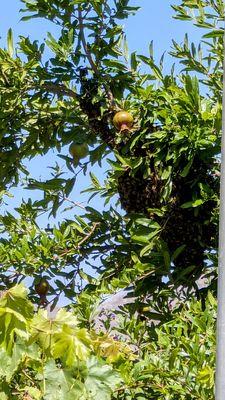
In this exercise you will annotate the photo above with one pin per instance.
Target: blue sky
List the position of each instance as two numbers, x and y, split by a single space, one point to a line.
153 22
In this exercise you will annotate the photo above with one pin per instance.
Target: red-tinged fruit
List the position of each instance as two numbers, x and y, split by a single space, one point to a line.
123 121
42 287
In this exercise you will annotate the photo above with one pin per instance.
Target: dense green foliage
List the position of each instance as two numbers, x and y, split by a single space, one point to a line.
60 359
157 234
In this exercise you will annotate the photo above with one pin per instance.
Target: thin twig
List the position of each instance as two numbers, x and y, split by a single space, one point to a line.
90 233
24 372
59 89
82 241
90 58
75 203
143 276
83 40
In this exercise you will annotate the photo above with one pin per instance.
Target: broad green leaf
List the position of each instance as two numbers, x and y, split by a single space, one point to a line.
60 384
71 345
15 313
43 327
101 380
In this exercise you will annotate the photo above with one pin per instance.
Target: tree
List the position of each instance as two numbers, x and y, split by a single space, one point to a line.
164 165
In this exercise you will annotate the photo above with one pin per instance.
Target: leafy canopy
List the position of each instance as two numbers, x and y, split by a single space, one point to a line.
156 236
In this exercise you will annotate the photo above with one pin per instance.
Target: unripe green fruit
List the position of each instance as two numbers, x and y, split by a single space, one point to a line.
42 287
78 151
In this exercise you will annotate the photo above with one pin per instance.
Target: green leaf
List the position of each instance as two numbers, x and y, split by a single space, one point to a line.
95 181
60 384
214 34
177 252
71 344
43 327
194 203
101 380
133 61
147 249
155 69
186 169
15 313
206 376
115 65
166 173
10 44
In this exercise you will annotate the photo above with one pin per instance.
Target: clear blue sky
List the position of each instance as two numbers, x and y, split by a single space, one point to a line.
153 22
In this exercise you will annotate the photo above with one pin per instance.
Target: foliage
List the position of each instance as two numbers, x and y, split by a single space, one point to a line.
56 358
179 361
50 357
157 234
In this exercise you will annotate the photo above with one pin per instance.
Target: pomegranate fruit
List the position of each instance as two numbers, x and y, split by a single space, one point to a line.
78 151
123 121
42 287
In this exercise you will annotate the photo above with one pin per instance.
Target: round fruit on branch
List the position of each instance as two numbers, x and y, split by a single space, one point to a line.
123 121
78 151
42 287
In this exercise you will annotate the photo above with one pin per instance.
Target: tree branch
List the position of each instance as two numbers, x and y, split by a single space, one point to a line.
83 40
90 59
89 234
82 241
75 203
59 89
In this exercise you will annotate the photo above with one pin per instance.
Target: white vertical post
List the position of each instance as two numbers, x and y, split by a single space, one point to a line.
220 353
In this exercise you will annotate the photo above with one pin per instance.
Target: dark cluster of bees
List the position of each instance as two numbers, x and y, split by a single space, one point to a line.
193 228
